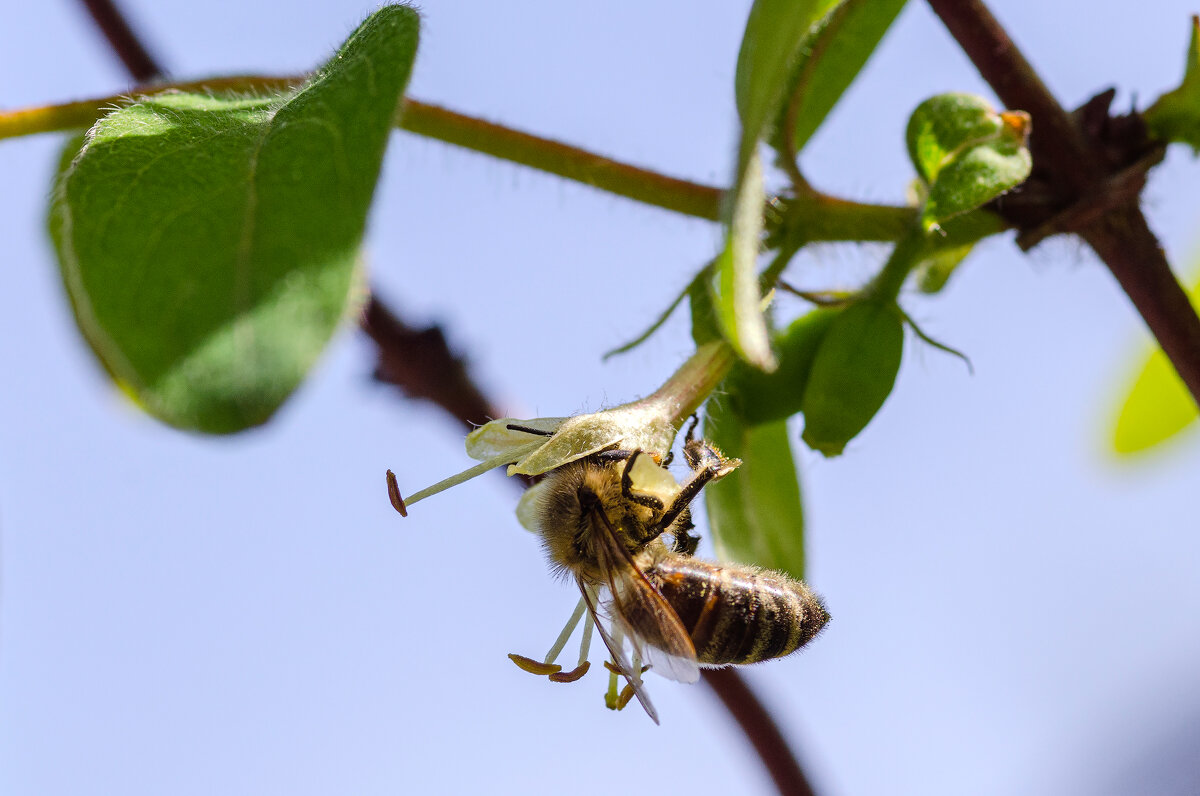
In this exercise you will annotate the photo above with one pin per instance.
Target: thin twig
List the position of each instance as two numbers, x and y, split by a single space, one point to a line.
779 759
1120 237
138 61
419 362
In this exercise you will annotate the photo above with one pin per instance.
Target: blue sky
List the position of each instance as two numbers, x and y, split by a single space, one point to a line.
1014 610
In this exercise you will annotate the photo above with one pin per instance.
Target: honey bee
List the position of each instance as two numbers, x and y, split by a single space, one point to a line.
602 519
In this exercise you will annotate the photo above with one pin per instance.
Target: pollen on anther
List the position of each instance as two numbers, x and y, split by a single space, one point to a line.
394 494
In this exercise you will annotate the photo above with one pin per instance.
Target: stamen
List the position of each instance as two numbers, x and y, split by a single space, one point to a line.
567 630
585 645
394 494
508 457
532 666
573 675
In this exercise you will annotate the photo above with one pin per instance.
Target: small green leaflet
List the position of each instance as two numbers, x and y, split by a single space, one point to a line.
1175 116
966 154
209 244
755 513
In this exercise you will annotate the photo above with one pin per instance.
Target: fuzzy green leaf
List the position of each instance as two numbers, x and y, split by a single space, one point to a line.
966 153
832 54
210 244
852 375
755 513
774 33
1175 116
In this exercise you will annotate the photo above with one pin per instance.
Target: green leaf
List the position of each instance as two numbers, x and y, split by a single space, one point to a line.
935 271
737 299
755 513
774 33
762 397
704 314
1175 116
832 54
210 244
852 375
1159 405
966 153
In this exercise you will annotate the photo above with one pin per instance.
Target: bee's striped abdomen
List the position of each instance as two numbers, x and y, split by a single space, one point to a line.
738 614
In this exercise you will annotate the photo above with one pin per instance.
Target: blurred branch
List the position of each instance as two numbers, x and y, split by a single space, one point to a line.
781 763
138 61
1076 157
419 362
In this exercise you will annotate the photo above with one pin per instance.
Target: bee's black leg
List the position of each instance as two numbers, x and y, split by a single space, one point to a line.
649 501
685 543
708 464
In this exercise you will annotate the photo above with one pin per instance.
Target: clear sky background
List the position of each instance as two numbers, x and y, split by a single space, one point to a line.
1014 610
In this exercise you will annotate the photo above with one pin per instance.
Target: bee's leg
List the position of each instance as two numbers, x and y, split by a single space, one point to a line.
649 501
685 543
708 464
690 434
702 454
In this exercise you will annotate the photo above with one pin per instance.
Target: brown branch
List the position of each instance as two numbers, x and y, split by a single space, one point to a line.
744 705
419 362
1077 168
138 61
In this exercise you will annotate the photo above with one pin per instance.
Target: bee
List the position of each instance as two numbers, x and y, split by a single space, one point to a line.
603 520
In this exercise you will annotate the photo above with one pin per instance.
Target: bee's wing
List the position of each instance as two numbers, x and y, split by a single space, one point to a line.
645 615
634 677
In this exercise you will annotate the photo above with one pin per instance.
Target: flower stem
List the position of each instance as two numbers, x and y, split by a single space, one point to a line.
690 385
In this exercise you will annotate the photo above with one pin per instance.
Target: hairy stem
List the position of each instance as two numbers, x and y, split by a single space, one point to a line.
827 218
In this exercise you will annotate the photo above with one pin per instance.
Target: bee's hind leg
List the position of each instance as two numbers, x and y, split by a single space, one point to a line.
685 542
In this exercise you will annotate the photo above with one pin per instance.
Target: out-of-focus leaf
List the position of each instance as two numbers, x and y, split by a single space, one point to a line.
762 397
755 513
704 316
852 374
774 34
934 272
209 244
1159 405
1175 116
737 299
832 54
